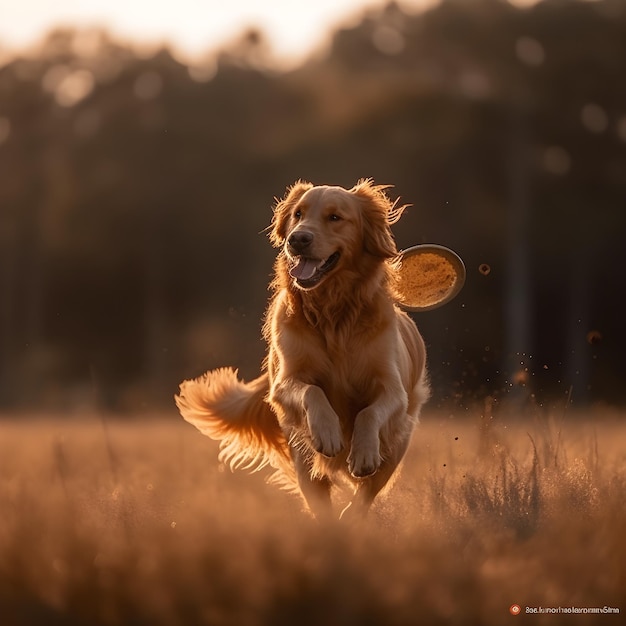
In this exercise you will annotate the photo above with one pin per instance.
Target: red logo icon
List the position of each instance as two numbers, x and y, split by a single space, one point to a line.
515 609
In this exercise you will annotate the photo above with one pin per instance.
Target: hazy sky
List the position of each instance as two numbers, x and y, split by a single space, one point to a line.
192 26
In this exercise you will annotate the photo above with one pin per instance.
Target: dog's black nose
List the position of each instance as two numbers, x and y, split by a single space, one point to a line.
300 240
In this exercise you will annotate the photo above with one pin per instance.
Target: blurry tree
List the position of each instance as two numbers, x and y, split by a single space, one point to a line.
134 192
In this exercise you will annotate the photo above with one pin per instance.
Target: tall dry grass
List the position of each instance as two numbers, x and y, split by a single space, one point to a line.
106 522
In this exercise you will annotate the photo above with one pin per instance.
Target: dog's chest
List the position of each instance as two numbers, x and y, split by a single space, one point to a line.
348 375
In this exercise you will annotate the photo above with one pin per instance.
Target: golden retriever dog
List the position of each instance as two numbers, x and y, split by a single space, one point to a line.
345 374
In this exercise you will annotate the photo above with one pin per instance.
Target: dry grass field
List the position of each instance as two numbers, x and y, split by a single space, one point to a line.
104 521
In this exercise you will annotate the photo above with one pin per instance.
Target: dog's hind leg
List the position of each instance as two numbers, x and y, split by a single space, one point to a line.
366 491
315 490
368 488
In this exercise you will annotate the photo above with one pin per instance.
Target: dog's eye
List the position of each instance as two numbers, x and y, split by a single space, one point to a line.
297 214
333 217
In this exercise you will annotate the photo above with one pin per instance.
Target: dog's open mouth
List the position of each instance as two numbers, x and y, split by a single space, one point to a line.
309 272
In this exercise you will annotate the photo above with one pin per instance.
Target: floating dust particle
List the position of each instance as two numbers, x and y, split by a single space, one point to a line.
520 377
594 336
484 269
425 279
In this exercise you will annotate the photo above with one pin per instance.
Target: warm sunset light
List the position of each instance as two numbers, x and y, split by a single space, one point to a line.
203 269
190 27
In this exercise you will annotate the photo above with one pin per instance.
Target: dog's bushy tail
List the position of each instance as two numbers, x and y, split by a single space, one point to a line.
236 414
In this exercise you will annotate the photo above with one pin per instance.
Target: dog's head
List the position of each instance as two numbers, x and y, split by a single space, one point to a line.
324 230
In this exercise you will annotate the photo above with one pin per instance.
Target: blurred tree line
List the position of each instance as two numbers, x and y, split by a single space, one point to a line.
134 192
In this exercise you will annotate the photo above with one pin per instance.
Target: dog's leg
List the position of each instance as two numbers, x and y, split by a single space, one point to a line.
368 488
366 491
316 491
324 425
297 398
364 458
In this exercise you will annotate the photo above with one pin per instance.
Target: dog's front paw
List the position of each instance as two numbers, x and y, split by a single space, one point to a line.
327 439
363 462
325 429
364 458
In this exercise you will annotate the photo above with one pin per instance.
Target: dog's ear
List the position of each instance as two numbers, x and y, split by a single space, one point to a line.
378 212
283 209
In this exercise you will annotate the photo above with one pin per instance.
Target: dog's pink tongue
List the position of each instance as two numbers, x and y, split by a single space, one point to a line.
304 269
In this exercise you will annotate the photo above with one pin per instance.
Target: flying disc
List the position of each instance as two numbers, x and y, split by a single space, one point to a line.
428 276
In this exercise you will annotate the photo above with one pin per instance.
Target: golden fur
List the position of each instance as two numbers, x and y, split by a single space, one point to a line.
345 376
